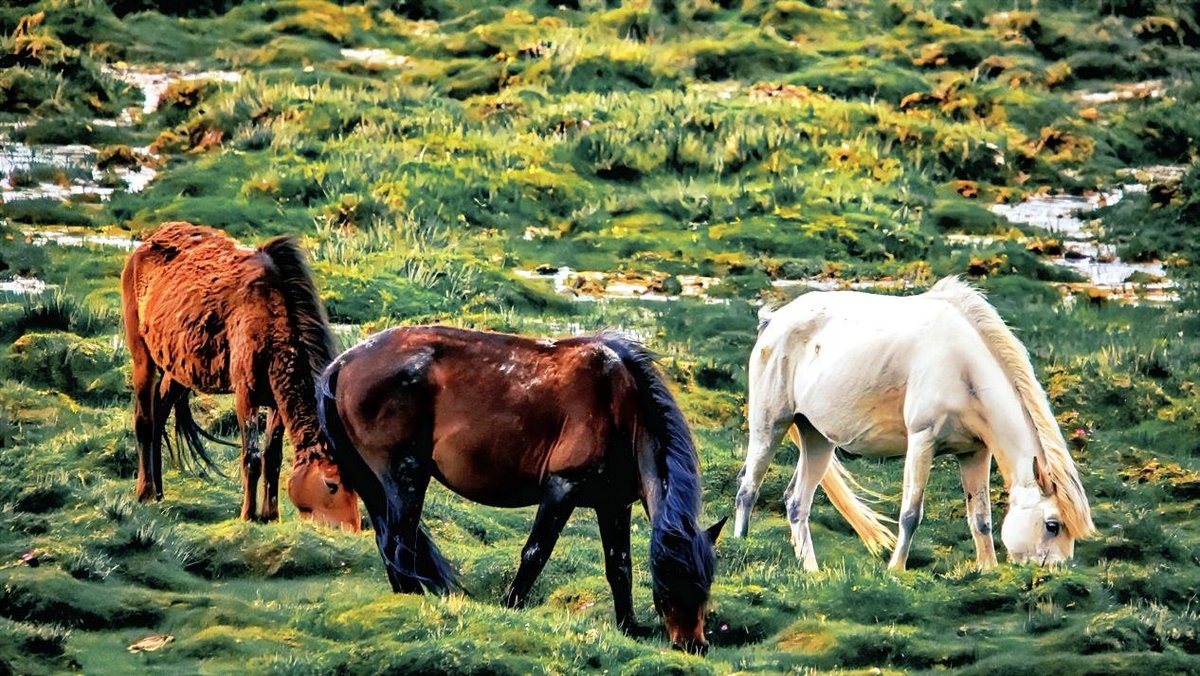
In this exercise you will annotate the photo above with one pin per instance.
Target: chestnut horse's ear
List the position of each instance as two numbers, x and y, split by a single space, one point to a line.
714 531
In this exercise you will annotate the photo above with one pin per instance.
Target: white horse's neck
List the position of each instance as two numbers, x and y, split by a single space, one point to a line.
1010 435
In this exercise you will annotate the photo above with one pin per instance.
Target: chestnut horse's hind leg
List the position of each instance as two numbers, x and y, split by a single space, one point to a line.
614 537
149 487
249 425
272 458
553 512
169 392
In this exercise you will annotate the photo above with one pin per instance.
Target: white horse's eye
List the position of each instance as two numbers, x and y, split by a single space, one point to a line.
1053 526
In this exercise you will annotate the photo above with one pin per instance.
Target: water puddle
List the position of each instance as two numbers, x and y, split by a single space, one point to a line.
379 58
1082 249
62 172
154 81
72 237
588 286
23 286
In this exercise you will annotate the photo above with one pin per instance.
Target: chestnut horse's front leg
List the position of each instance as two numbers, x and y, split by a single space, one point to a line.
272 458
249 425
553 512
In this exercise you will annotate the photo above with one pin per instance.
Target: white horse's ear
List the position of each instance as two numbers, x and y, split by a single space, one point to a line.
1043 478
714 531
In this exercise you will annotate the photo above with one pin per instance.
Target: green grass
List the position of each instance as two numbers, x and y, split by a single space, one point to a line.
749 141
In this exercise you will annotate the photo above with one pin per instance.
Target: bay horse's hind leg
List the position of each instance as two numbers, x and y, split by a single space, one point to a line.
815 453
250 427
553 512
614 537
918 459
976 475
272 458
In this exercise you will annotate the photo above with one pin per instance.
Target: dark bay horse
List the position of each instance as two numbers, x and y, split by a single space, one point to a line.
207 315
510 422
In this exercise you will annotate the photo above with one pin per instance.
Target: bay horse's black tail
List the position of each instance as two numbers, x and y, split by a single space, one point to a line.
427 567
188 448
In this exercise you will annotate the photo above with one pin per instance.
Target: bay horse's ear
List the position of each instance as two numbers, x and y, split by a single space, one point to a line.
1043 478
714 531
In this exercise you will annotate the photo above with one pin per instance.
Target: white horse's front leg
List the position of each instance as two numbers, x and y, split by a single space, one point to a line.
917 461
769 417
976 473
815 453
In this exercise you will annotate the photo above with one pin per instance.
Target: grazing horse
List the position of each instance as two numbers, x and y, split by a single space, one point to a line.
915 376
510 422
204 314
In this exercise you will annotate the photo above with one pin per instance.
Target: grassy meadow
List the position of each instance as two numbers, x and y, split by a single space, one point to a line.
753 142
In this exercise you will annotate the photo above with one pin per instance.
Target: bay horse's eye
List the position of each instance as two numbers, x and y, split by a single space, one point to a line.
1053 526
332 486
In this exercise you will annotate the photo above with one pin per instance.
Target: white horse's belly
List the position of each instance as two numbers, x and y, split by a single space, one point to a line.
854 395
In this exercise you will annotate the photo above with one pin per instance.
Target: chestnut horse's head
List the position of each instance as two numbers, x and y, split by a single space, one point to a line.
682 564
320 494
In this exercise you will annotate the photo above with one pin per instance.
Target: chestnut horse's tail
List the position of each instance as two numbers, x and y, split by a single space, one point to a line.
429 567
189 437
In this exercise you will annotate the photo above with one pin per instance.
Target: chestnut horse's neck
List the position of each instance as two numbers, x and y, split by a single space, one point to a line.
301 350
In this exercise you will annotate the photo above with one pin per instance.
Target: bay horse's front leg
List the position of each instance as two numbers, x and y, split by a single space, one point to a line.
917 461
815 453
553 512
614 538
976 474
272 458
249 425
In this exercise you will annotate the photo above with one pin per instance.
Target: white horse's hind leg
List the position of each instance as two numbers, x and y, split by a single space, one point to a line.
815 453
768 420
917 461
976 473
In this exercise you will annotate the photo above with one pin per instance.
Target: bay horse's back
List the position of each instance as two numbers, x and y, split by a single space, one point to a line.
560 404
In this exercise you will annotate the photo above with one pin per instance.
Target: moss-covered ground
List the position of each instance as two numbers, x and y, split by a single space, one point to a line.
749 140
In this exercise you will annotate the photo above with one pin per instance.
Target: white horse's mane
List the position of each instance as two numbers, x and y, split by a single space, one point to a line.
1014 359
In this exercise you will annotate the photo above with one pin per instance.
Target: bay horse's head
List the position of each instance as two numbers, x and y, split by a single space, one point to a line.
320 494
682 562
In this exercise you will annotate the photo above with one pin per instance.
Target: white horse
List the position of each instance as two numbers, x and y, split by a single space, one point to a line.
916 376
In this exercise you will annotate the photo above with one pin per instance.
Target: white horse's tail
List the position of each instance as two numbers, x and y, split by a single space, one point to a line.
1014 359
839 487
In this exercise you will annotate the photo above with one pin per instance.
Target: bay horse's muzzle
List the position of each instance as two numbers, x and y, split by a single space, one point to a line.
692 647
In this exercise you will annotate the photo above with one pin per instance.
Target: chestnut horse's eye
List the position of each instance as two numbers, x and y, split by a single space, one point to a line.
332 486
1053 526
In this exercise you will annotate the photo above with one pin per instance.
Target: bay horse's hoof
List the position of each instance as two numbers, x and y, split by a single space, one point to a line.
511 600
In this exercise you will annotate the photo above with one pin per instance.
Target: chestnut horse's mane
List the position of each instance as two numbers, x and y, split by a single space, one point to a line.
305 310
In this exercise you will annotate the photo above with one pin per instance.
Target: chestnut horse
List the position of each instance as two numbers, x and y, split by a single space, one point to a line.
510 422
204 314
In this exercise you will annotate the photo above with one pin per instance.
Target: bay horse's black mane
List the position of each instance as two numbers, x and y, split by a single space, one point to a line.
680 550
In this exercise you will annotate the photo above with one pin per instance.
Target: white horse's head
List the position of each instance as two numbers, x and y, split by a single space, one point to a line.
1033 529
